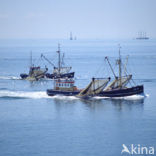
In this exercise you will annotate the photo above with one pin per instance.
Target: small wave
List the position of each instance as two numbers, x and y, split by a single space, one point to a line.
100 97
22 94
65 97
9 78
132 97
146 95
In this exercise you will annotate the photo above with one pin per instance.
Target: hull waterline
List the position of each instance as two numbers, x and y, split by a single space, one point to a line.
52 92
123 92
112 93
55 76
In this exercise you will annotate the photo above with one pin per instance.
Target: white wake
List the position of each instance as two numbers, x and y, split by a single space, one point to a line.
43 94
9 78
132 97
32 95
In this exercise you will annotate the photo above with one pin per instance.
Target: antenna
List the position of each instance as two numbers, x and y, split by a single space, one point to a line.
59 61
119 62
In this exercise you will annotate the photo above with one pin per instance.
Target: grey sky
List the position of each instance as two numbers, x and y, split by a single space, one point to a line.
85 18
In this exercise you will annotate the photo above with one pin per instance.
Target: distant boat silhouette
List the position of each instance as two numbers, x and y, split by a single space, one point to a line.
142 36
35 72
71 36
59 71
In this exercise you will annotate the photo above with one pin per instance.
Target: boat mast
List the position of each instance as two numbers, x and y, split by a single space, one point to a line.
120 72
59 59
31 59
93 85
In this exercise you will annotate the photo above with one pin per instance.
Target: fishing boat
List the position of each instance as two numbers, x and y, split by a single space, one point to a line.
102 87
35 72
66 87
60 71
117 88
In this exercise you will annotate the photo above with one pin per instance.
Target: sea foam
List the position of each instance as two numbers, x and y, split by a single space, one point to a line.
31 95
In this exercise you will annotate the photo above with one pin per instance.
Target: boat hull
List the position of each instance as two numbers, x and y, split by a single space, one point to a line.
32 78
24 76
112 93
123 92
142 38
52 92
54 76
35 73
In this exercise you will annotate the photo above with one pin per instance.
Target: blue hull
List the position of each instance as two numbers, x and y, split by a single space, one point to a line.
55 76
52 92
112 93
123 92
24 76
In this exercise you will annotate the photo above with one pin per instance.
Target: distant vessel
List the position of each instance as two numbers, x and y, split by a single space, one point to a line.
60 71
35 72
71 36
142 36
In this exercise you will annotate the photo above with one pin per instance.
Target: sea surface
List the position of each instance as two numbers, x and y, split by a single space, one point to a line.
33 124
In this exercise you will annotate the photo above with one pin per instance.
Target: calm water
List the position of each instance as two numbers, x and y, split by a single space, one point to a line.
33 124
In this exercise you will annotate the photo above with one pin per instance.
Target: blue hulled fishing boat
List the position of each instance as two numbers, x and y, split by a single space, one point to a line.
102 87
35 72
59 71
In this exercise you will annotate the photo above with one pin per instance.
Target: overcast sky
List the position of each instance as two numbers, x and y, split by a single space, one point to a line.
85 18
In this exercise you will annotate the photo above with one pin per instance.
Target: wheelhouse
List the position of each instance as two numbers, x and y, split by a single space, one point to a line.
63 84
